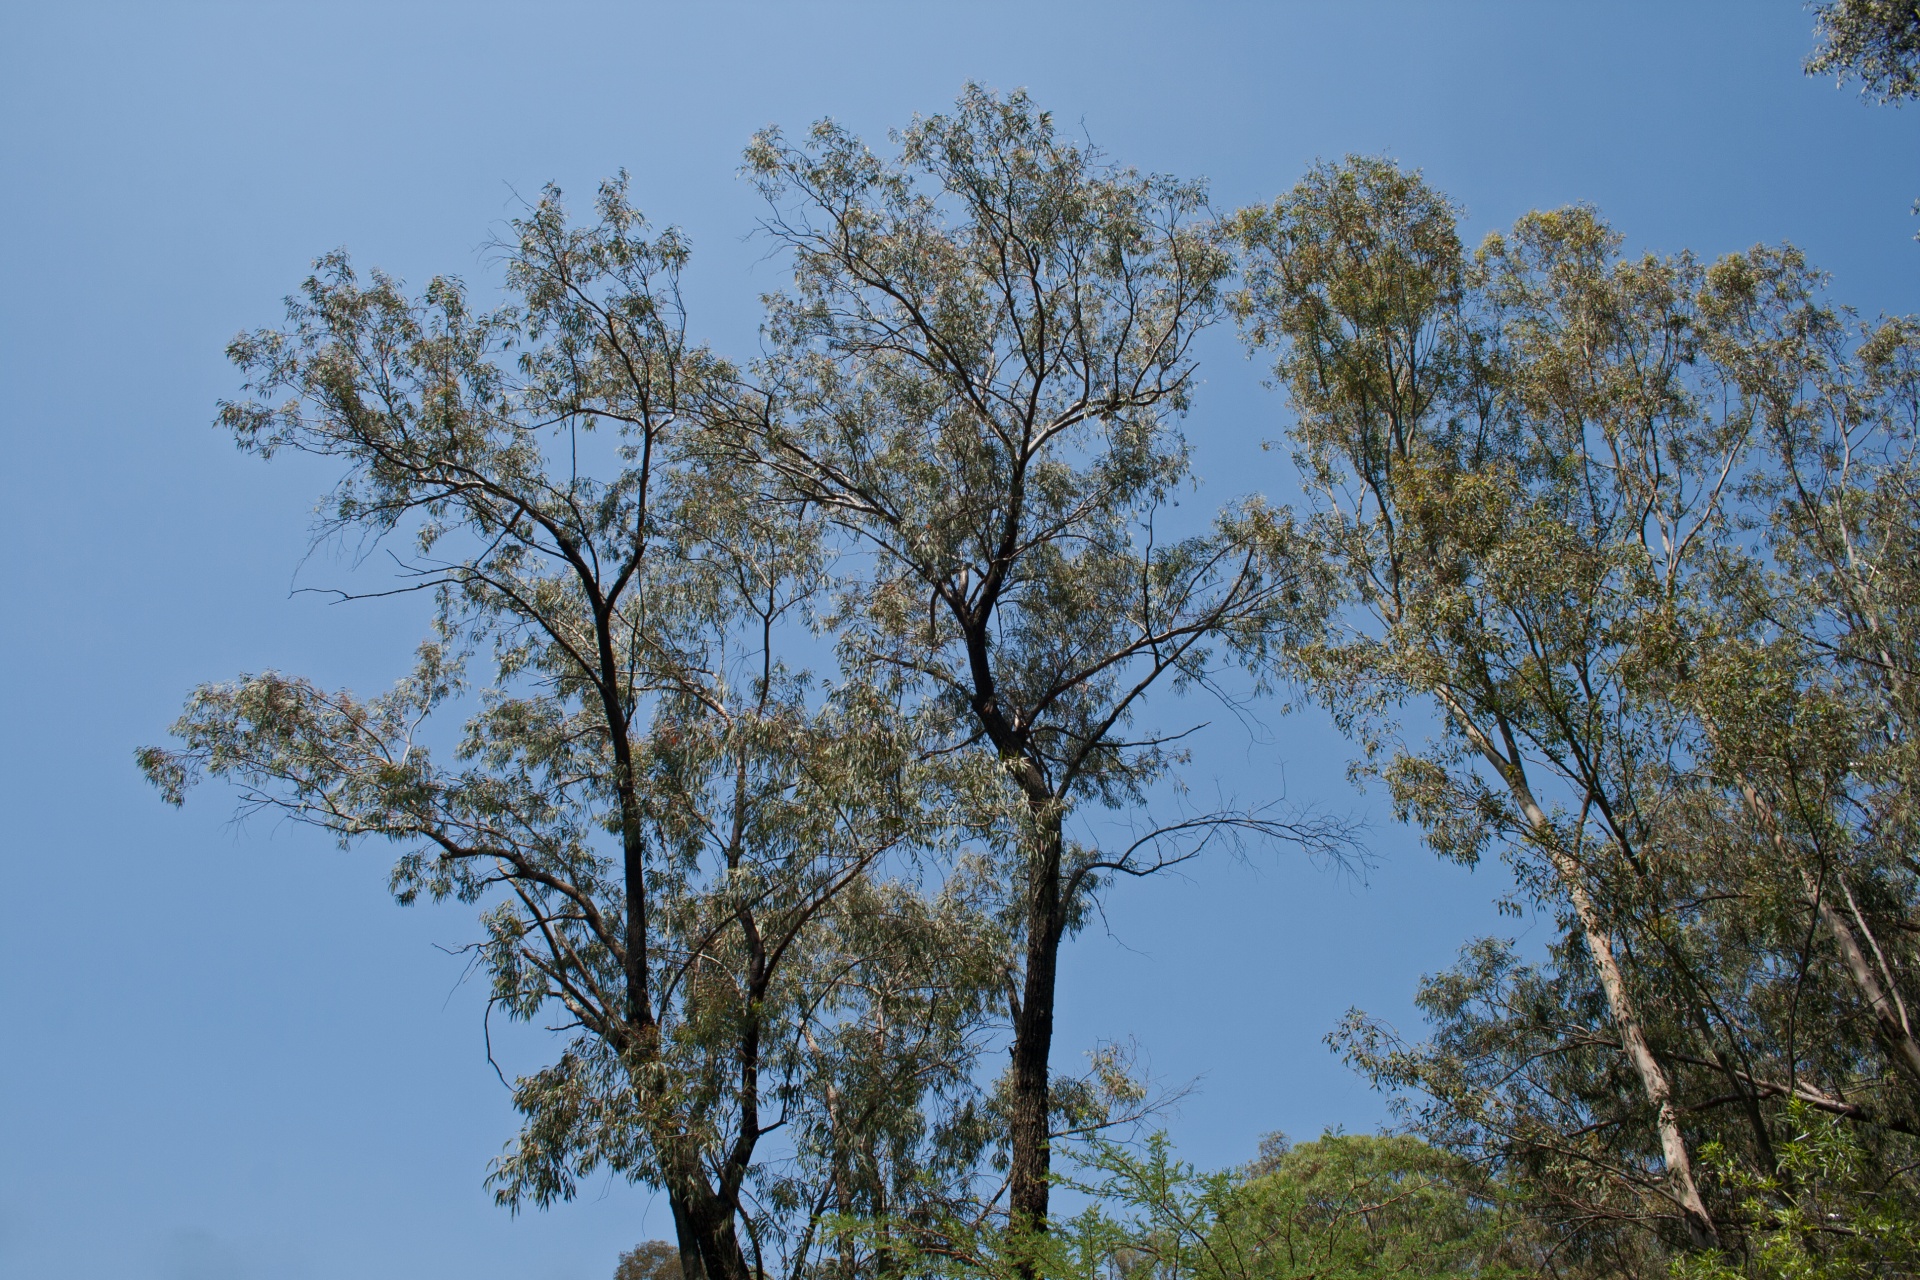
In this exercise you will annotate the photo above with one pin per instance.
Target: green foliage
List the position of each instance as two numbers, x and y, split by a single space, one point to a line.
1639 531
979 380
1355 1206
775 718
1827 1214
707 867
652 1260
1876 42
1345 1207
760 898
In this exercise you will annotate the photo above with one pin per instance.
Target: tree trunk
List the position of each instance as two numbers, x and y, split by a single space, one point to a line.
703 1225
1028 1186
1653 1077
1658 1089
692 1265
1889 1012
1891 1024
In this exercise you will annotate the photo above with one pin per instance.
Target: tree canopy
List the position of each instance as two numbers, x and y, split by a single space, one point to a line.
1876 42
778 714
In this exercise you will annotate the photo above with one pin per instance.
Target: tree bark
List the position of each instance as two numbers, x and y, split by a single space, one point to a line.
1654 1083
1891 1024
1889 1012
1701 1230
703 1225
1031 1122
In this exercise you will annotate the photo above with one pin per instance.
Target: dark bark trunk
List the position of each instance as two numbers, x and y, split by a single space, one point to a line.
1028 1186
703 1223
692 1267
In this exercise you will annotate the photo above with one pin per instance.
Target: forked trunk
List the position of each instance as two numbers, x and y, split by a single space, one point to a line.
703 1225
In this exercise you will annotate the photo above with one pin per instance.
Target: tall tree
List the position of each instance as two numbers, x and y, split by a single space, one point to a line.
679 842
1799 682
1491 558
978 378
1594 512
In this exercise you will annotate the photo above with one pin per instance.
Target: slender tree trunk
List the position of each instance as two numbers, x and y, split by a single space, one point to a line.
1633 1037
1889 1011
1654 1083
1028 1186
1894 1029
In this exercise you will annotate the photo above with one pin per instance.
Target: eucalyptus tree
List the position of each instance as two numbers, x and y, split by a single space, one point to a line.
1876 42
1562 489
1803 701
1801 682
1873 42
678 840
978 379
1496 563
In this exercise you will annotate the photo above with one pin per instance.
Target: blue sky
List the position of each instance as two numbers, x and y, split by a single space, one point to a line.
224 1053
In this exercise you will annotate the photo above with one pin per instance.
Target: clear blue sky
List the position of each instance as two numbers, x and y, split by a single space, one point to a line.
224 1053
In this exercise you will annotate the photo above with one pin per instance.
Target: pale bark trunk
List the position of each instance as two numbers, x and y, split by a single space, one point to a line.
1653 1077
1889 1011
1654 1082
